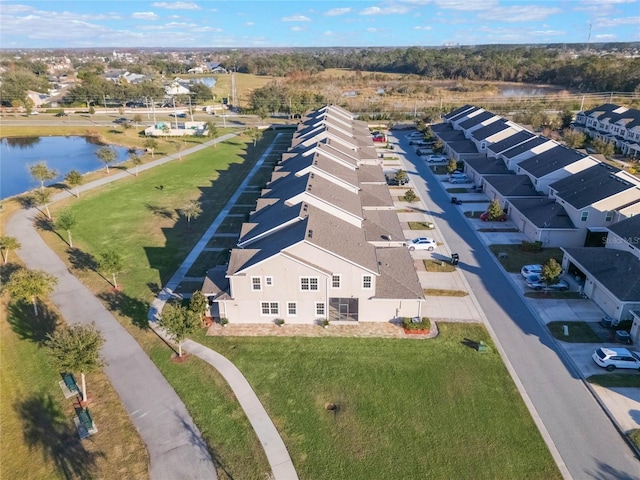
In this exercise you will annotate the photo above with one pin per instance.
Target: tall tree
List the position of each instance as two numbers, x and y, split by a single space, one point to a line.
106 155
66 221
136 160
42 173
30 285
111 262
7 244
179 322
198 303
42 198
74 179
494 210
151 144
551 272
452 166
192 209
77 349
574 138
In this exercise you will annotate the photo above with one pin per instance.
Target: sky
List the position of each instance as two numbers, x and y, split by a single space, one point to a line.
313 23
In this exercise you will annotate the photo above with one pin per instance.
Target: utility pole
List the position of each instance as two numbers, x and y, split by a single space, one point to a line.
175 114
589 38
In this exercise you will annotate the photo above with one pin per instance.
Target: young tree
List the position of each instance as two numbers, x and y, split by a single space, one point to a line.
551 272
494 210
136 160
179 322
106 155
192 209
212 131
574 138
74 179
30 285
255 134
111 262
151 144
452 166
603 148
401 176
66 221
42 198
198 303
42 173
76 349
7 244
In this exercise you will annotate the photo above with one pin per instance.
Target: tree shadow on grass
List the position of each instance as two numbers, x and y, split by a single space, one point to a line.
41 222
81 260
30 327
46 428
127 306
6 271
161 212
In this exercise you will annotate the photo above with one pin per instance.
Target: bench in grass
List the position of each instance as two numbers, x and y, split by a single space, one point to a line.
68 385
84 423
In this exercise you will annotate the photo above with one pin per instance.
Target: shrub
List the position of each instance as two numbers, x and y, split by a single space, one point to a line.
423 324
323 322
224 321
410 196
531 246
279 321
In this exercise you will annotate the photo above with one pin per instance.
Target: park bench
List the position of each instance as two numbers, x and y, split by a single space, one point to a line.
68 385
84 423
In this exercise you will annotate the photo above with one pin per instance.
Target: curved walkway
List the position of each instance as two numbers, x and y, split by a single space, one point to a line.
275 450
176 447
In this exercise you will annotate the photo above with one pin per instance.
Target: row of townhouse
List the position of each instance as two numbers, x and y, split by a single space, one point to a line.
324 241
613 124
558 196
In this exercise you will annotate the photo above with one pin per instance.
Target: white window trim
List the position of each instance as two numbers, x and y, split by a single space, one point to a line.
262 314
268 281
339 281
584 216
253 289
370 281
295 306
309 289
324 309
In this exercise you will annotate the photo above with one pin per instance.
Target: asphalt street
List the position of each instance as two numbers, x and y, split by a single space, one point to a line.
582 439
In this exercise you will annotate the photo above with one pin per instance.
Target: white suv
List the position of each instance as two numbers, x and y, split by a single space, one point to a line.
436 158
612 358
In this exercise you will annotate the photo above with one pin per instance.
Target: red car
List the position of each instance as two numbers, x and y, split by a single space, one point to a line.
484 216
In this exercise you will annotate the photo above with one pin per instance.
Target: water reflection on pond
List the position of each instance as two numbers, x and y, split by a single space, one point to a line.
61 154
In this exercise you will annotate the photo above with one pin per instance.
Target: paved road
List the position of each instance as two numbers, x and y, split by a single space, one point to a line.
583 440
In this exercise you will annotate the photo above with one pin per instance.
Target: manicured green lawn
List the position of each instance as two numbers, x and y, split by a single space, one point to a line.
629 379
406 409
579 332
517 258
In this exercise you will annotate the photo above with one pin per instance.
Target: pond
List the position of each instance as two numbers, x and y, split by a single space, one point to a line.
207 81
61 154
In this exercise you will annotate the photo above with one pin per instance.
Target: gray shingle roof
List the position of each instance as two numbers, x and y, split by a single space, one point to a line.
550 160
543 212
590 186
398 277
381 225
523 147
628 230
494 127
609 267
475 120
462 115
458 111
488 165
511 141
463 146
512 185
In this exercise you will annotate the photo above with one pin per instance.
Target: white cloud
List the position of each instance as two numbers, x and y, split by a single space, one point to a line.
616 22
296 18
545 33
519 13
176 5
606 37
466 5
249 24
396 9
372 29
297 29
328 33
423 27
145 16
334 12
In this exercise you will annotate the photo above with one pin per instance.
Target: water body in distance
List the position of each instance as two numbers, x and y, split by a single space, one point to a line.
61 154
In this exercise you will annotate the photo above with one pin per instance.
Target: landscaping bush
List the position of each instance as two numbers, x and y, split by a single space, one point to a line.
531 246
410 196
423 324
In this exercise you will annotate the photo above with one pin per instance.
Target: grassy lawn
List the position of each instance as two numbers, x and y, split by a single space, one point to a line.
554 295
579 332
438 266
463 418
437 292
634 436
516 258
421 226
628 379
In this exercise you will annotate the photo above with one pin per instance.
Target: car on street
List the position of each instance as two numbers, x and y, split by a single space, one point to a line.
422 243
484 216
121 120
531 270
535 281
459 179
612 358
436 158
61 114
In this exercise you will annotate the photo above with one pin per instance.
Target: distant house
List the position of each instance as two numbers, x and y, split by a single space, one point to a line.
177 87
614 124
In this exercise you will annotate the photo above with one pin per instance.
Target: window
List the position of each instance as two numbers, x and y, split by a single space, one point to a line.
269 308
268 281
308 283
483 146
256 283
292 309
367 282
609 216
320 310
335 281
584 216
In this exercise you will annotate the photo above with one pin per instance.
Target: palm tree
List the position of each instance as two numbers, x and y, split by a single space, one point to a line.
42 173
29 285
191 210
77 348
106 155
136 160
7 244
74 179
111 262
42 198
66 221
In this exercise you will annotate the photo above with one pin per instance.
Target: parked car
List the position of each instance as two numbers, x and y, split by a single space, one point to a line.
422 243
459 179
531 270
436 158
419 143
535 281
612 358
121 120
484 216
393 181
62 114
424 151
